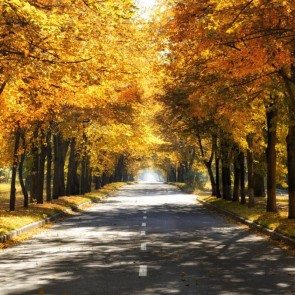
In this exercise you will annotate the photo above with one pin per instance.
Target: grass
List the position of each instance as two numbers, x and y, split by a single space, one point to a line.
275 221
11 220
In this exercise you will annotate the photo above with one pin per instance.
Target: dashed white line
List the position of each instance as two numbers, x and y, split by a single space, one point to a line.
142 233
143 224
142 271
143 247
144 217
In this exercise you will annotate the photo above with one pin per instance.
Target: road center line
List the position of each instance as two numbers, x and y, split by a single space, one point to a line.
144 217
143 224
142 233
142 271
143 247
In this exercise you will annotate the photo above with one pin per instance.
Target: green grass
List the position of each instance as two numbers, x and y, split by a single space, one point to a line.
11 220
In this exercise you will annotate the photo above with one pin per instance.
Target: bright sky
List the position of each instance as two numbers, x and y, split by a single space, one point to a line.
146 6
146 3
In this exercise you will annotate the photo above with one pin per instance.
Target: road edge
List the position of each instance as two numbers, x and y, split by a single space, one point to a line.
274 235
37 224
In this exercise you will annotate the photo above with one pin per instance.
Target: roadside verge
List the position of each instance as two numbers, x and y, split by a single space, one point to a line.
251 224
54 216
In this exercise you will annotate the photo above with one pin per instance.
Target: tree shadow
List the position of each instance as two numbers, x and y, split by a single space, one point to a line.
189 251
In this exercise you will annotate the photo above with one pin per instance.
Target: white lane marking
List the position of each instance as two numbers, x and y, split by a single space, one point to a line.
142 233
143 247
143 224
144 212
142 271
144 217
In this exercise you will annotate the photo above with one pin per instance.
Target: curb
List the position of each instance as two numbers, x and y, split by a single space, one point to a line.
14 233
274 235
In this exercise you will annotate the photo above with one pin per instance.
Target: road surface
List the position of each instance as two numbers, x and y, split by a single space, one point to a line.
148 239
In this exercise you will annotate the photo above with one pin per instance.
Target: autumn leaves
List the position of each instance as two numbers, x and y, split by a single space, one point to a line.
65 63
231 66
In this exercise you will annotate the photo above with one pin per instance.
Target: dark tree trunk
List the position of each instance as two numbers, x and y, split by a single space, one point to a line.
208 163
271 157
41 167
226 182
20 173
217 176
236 191
104 179
291 170
49 167
35 168
258 185
251 201
241 159
211 177
97 182
225 169
72 177
290 84
118 174
172 174
14 170
60 152
180 173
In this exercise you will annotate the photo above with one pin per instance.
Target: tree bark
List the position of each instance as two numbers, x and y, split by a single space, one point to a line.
271 157
208 163
251 200
14 170
48 167
258 184
290 84
41 167
217 176
72 177
241 160
60 152
35 168
20 173
236 191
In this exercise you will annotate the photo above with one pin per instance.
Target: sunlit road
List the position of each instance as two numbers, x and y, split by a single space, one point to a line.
148 239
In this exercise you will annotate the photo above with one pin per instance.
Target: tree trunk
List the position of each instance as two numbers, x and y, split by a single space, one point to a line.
241 159
60 152
251 200
48 168
258 184
236 191
35 168
290 84
271 157
72 177
41 167
211 177
14 170
118 174
291 170
208 163
20 173
217 176
97 182
226 182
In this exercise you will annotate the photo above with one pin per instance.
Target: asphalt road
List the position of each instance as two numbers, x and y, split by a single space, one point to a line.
148 239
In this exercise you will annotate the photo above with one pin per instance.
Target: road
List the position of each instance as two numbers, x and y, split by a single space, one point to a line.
148 239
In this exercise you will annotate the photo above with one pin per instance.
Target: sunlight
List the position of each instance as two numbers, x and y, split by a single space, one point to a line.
150 176
146 7
146 3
